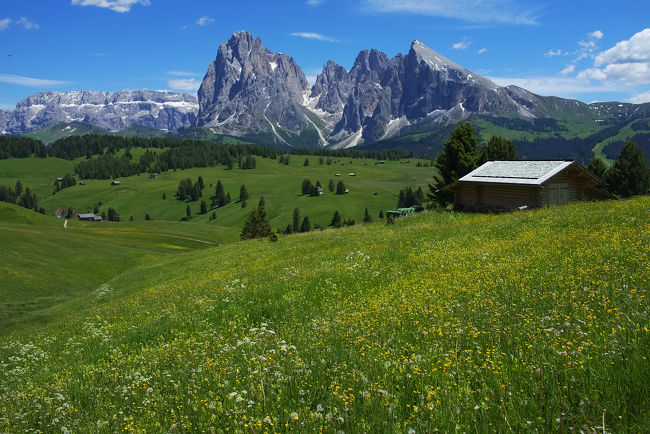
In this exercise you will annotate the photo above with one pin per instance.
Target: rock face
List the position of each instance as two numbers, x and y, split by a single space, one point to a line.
112 111
249 89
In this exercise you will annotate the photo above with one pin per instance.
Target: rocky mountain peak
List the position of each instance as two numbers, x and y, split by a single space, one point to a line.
369 66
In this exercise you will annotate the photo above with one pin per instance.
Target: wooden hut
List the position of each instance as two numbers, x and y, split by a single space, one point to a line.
507 185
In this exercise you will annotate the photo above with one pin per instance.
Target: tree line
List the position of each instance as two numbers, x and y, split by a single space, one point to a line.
21 196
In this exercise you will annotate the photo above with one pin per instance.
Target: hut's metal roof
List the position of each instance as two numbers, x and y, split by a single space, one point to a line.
516 172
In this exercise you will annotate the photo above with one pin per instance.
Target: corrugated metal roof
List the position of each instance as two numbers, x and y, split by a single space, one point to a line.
516 172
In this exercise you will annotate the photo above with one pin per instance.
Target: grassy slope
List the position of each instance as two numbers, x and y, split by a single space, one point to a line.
279 184
535 320
44 265
36 173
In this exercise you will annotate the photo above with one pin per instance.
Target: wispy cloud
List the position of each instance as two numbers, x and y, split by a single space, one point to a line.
462 45
204 21
29 81
481 51
183 73
315 2
4 24
316 36
551 53
477 11
641 98
27 24
184 84
565 86
568 70
596 34
120 6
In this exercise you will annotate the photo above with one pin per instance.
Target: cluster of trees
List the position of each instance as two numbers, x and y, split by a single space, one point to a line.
408 198
20 196
295 226
338 221
311 189
67 181
382 154
21 147
284 159
628 176
188 190
247 162
220 198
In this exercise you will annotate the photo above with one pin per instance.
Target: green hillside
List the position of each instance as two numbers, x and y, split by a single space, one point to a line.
52 133
44 265
531 321
279 184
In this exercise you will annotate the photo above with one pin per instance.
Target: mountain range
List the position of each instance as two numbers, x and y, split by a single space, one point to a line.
411 100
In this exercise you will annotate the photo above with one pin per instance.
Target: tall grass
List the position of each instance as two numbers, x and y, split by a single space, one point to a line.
520 322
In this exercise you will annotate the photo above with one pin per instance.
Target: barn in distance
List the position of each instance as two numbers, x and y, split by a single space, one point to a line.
508 185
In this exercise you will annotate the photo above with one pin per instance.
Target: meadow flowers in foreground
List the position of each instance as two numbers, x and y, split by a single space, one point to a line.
529 321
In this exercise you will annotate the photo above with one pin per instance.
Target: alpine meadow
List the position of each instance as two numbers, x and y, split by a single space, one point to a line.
334 216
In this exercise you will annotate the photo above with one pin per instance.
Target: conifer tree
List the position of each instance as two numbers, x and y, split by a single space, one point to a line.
366 216
340 188
330 186
306 225
296 219
381 214
262 202
219 196
257 225
336 220
243 193
630 174
204 207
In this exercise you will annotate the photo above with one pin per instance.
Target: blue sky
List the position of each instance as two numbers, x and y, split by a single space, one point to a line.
589 50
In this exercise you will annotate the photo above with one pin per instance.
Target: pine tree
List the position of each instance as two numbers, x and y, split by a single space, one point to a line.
340 188
257 225
306 186
243 193
164 196
629 175
262 202
330 186
289 229
228 198
201 184
204 207
188 212
381 214
19 188
499 149
296 219
147 217
306 225
460 155
366 216
336 220
219 196
213 216
598 167
306 163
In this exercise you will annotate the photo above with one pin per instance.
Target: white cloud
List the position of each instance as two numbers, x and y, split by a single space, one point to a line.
479 11
568 70
551 53
316 36
567 86
627 62
315 2
481 51
182 73
28 24
184 84
597 34
641 98
204 21
4 24
29 81
462 45
635 49
120 6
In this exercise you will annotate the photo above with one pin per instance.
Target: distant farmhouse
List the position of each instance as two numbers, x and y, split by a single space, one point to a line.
90 217
507 185
115 183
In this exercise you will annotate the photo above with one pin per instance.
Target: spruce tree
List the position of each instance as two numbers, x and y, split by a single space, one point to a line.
243 193
204 207
188 212
629 175
330 186
306 186
262 202
219 196
296 219
306 225
336 220
306 163
381 214
340 188
257 225
499 149
598 167
366 216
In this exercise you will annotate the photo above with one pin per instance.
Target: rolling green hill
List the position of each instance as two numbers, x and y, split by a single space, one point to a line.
279 184
520 322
